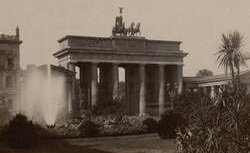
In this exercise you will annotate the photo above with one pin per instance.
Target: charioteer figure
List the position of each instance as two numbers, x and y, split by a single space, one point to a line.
120 30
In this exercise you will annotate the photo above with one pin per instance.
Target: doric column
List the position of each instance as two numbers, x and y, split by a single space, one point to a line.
161 89
115 80
180 78
205 90
83 91
94 85
72 87
142 98
212 92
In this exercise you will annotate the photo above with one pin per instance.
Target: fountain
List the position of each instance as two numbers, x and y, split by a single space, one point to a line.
43 95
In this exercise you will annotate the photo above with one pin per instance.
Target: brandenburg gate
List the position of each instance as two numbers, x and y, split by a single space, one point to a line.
152 67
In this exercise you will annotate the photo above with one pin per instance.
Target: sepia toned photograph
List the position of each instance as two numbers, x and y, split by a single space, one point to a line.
116 76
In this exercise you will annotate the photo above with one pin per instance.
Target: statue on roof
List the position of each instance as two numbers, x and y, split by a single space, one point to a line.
120 30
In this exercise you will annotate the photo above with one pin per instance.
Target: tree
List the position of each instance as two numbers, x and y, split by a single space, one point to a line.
204 72
230 56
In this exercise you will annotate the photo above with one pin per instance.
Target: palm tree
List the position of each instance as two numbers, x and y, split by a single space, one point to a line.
230 56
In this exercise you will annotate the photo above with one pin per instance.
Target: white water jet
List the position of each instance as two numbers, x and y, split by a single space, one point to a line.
43 95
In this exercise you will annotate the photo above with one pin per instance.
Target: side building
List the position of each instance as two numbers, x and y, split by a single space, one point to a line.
9 67
212 85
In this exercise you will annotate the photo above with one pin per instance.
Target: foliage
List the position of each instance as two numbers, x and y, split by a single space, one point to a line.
89 128
109 107
21 133
217 126
150 124
230 56
113 125
170 121
204 72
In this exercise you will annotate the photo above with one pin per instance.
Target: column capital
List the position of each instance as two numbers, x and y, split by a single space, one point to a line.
142 64
115 64
94 63
161 65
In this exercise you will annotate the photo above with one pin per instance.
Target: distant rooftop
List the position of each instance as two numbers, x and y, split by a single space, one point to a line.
219 77
10 38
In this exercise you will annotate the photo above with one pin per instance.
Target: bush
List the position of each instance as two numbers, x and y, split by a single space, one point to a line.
21 133
169 123
89 129
150 124
127 125
109 107
219 125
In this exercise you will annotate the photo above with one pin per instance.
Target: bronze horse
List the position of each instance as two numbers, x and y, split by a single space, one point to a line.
132 30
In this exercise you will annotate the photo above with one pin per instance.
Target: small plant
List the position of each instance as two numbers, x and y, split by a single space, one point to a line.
169 123
21 133
150 124
89 129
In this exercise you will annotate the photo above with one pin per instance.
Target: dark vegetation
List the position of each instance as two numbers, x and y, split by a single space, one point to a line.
150 125
170 121
89 129
20 133
217 125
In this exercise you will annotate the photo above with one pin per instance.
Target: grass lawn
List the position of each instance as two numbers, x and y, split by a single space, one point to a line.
52 146
145 143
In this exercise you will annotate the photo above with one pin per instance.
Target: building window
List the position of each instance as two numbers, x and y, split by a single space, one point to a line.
10 103
10 63
9 81
2 67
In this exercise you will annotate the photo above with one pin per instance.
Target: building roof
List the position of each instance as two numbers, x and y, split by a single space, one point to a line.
54 67
214 78
115 37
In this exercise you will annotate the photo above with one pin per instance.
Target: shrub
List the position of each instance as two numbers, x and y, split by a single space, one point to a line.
127 125
109 107
169 123
219 125
20 133
150 124
89 129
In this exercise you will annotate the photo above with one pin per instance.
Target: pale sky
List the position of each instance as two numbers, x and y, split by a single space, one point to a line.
197 23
